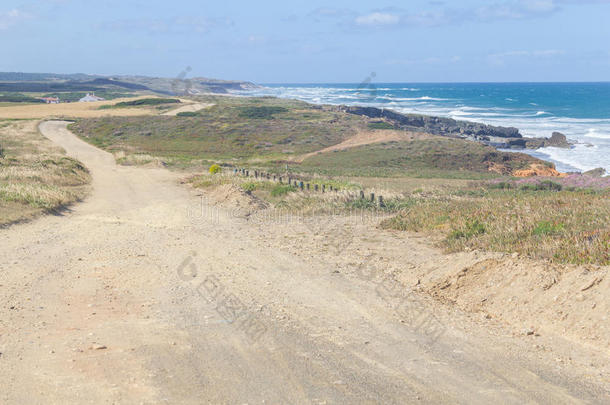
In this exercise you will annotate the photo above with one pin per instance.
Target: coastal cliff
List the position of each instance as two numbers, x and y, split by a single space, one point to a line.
501 137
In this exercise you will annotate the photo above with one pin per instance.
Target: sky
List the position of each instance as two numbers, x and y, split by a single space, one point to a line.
312 41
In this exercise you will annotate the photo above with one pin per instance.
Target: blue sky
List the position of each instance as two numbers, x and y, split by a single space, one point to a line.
312 41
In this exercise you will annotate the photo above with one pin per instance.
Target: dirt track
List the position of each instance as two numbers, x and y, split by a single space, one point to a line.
116 302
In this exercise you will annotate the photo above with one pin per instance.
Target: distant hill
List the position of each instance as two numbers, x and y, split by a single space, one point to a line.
51 82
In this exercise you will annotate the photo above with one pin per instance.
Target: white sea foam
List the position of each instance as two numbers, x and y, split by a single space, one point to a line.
536 123
593 133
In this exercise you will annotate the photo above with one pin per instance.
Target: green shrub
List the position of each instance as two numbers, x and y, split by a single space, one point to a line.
282 189
215 169
187 114
380 125
147 101
471 229
548 228
263 112
248 187
545 185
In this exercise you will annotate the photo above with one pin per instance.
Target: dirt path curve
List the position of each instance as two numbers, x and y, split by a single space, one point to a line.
136 297
189 108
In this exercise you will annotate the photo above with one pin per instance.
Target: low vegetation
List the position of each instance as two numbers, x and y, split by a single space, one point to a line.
35 176
559 219
563 226
142 102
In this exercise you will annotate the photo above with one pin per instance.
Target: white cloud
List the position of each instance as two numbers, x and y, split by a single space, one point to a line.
11 18
377 19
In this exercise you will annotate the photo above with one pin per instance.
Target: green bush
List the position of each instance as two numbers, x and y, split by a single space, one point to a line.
187 114
380 125
471 229
547 228
215 169
282 189
147 101
263 112
248 187
545 185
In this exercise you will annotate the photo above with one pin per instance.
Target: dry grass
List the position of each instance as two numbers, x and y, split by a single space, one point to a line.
73 110
564 226
35 175
568 226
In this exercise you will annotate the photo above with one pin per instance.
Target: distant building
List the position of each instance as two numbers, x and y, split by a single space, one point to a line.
50 100
89 98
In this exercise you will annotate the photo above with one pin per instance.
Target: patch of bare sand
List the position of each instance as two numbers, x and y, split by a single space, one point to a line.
535 297
73 110
232 197
367 138
189 108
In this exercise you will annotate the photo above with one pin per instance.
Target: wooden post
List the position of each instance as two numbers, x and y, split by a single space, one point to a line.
247 173
280 179
315 187
289 181
372 197
361 194
323 188
256 174
273 178
307 186
381 204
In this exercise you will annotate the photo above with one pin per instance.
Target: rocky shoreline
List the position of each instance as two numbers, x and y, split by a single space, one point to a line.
499 137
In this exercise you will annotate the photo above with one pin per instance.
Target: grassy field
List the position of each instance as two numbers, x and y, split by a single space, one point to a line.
244 128
274 133
567 226
457 191
35 176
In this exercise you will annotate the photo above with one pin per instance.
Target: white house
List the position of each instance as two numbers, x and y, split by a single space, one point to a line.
90 98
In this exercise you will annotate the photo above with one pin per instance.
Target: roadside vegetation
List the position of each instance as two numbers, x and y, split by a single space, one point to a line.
153 101
459 192
35 175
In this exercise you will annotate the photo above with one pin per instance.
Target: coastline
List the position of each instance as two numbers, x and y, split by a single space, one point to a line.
536 109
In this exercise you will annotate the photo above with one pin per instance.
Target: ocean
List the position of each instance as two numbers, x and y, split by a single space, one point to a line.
581 111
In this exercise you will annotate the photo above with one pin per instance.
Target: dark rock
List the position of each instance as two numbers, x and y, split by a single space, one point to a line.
559 140
599 172
435 125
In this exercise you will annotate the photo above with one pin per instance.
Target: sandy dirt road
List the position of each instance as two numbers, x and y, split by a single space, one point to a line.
189 108
141 295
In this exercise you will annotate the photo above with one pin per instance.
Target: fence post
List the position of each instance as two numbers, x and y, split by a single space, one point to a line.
307 186
323 187
362 194
381 204
315 187
372 197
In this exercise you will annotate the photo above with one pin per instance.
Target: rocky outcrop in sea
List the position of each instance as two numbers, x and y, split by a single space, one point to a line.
500 137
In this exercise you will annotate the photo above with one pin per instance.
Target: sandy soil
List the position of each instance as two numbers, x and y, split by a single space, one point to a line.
189 108
367 138
149 293
77 110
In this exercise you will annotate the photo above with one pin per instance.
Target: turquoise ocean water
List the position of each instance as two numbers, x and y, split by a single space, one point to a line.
579 110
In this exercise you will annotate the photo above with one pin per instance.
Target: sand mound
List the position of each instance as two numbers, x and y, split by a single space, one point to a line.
232 197
535 297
